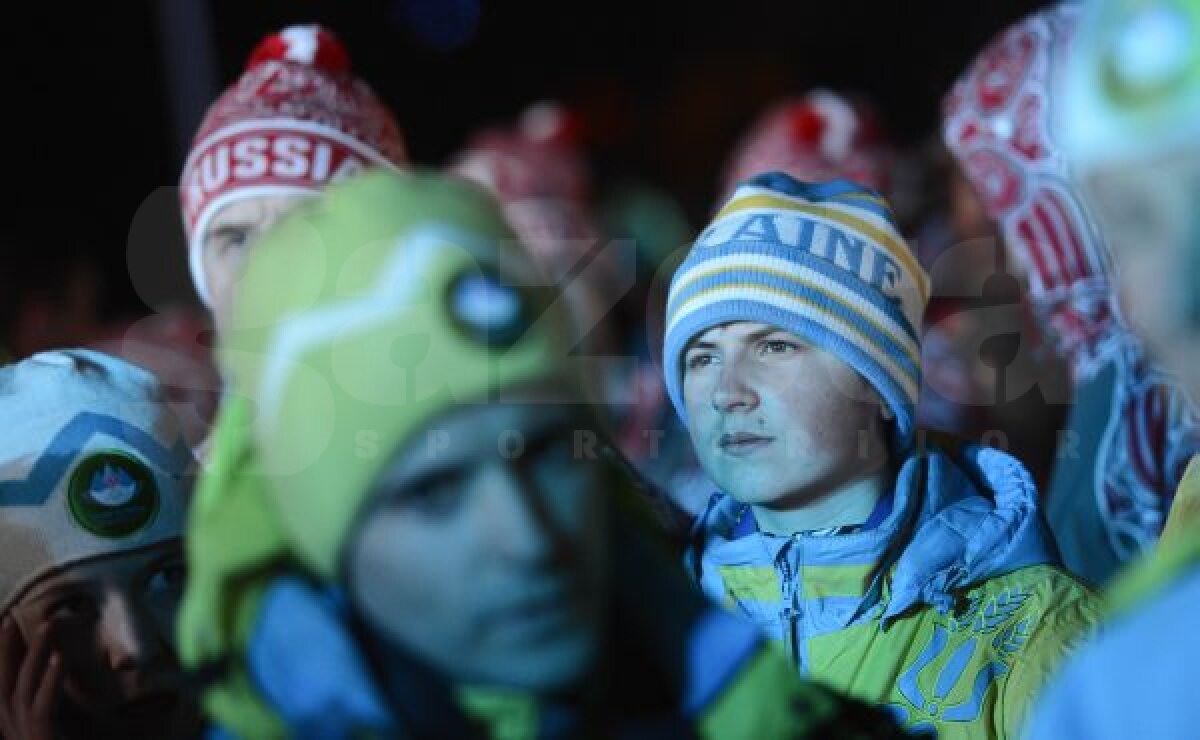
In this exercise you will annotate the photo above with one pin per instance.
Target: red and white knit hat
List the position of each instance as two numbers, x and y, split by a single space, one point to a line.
296 120
821 135
537 170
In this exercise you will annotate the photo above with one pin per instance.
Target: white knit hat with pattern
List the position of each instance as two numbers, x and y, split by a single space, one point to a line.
92 463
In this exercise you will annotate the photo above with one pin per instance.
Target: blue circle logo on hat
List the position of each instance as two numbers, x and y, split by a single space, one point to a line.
112 494
487 309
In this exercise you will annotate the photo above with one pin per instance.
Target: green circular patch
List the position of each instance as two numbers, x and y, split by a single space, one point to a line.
112 494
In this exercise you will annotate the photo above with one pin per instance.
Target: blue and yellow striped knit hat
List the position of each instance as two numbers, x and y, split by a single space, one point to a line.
824 261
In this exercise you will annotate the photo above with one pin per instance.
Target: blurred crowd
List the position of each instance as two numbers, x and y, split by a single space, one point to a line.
896 441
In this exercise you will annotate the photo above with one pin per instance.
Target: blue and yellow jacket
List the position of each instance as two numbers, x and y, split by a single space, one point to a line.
947 606
1139 678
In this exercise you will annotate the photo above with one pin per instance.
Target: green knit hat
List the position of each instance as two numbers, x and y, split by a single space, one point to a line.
362 318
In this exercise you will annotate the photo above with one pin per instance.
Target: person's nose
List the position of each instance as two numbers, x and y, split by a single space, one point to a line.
734 389
128 635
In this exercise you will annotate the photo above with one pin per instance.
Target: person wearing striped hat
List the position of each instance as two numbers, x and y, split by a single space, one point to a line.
295 121
916 576
1128 118
95 480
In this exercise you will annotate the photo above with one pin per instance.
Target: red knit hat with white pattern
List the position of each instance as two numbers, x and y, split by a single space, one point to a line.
819 136
296 120
538 172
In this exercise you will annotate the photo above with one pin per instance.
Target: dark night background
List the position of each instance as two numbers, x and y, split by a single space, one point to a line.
666 88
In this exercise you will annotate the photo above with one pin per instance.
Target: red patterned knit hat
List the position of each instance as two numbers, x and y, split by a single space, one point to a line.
819 136
296 120
538 172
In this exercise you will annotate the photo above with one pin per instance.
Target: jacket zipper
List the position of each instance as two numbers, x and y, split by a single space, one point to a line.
790 614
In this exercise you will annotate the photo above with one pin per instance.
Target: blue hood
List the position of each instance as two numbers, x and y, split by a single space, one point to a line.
956 521
977 517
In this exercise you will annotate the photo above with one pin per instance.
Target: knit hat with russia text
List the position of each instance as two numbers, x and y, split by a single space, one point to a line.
296 120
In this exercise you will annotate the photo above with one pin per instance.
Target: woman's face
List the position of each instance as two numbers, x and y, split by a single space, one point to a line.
483 548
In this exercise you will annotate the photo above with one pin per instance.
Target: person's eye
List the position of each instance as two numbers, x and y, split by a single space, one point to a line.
698 360
76 606
435 495
168 579
234 241
230 241
777 346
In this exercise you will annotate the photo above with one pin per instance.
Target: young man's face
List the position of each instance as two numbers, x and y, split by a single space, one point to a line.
484 546
776 421
112 622
1152 224
226 243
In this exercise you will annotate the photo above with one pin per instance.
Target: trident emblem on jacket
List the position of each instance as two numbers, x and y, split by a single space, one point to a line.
982 621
